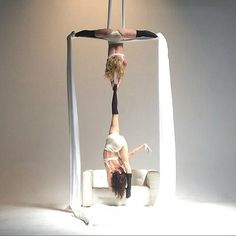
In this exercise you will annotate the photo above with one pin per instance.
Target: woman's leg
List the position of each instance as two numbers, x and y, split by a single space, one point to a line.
102 33
99 33
145 33
114 103
132 33
114 127
127 33
86 33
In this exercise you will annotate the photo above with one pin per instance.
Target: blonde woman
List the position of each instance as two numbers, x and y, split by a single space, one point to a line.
116 62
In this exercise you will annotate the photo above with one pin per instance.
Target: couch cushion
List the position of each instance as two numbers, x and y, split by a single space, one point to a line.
138 177
100 179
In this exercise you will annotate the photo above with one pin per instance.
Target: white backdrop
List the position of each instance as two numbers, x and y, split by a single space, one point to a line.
34 147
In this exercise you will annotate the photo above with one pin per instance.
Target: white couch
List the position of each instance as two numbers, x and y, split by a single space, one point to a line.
144 191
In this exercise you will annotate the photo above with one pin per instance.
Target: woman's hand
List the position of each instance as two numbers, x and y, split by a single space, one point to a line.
147 148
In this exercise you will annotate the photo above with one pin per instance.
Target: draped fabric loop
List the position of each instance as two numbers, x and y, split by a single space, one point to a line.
166 122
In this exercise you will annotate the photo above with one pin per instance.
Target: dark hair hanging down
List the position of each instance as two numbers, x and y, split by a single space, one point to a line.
118 183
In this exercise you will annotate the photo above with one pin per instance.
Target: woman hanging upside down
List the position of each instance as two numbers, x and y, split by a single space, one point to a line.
116 62
116 155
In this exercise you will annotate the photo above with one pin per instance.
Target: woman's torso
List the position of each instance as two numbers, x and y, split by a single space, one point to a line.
115 48
112 160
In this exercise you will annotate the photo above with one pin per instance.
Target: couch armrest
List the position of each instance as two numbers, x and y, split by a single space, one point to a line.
87 188
153 182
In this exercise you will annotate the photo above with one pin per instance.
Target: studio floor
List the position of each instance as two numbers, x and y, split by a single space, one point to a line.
180 218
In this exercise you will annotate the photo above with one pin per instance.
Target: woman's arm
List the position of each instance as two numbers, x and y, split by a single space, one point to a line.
109 175
139 148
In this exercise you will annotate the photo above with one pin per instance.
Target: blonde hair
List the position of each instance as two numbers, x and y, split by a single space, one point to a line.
115 65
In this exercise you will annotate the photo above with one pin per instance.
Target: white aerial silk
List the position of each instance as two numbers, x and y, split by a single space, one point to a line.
166 125
122 12
75 160
166 122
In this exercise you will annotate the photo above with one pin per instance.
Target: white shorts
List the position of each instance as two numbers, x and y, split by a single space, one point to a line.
114 142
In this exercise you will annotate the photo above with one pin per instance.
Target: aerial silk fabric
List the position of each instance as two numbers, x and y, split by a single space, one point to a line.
166 127
75 159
